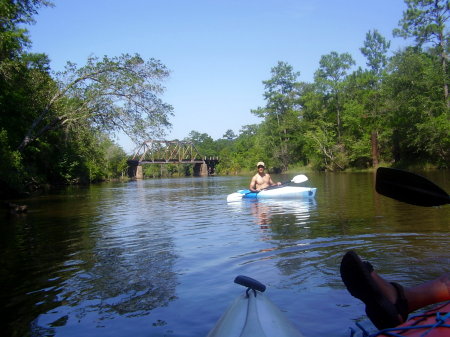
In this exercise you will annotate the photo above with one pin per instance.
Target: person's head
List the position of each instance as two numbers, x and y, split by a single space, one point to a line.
260 166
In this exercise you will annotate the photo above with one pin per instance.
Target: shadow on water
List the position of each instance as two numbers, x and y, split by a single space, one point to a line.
157 257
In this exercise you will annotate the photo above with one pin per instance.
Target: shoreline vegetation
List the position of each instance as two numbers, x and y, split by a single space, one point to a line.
57 129
11 195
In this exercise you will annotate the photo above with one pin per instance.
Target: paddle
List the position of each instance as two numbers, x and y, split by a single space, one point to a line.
296 180
409 187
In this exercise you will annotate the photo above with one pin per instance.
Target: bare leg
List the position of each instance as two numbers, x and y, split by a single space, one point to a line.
435 291
430 292
388 304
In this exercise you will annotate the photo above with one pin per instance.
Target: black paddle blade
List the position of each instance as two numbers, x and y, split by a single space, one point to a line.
409 187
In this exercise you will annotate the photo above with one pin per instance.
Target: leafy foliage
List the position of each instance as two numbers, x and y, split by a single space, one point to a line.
112 94
54 127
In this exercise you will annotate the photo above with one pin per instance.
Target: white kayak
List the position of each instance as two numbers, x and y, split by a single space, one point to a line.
282 192
253 315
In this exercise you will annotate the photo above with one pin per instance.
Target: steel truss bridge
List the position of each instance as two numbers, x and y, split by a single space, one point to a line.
170 152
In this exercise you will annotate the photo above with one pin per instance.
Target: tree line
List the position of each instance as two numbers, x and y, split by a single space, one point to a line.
395 111
56 127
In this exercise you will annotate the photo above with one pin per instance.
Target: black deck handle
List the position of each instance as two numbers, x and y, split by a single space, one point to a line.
250 283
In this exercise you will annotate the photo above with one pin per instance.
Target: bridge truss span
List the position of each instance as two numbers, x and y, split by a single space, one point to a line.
171 152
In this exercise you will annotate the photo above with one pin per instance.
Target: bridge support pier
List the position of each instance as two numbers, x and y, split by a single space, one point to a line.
135 172
204 170
200 169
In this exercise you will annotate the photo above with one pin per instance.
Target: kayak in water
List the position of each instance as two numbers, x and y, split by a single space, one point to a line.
281 191
288 192
253 315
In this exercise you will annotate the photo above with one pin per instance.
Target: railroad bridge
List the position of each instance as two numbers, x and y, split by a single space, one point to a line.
170 152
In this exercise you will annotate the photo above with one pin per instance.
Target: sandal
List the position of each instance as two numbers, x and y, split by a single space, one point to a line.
383 313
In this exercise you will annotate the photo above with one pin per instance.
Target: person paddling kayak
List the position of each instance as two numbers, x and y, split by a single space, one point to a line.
388 303
261 179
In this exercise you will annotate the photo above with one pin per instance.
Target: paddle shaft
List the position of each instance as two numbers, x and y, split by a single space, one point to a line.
276 186
298 179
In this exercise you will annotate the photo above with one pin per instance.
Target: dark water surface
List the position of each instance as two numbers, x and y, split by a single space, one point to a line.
158 257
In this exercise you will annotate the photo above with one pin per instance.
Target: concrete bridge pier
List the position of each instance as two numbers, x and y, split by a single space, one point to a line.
201 169
204 170
135 172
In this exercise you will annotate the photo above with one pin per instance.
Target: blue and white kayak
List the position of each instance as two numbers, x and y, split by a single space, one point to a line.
253 315
282 192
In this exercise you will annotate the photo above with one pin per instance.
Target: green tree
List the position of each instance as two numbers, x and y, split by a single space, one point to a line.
67 153
362 119
280 113
112 94
375 50
329 77
10 167
203 143
249 147
323 105
425 21
320 133
229 134
418 115
14 37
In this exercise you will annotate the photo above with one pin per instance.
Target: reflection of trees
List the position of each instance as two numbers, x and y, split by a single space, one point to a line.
34 254
92 255
129 278
288 223
128 270
284 217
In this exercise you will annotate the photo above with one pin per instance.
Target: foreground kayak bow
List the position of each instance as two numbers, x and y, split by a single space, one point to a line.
253 315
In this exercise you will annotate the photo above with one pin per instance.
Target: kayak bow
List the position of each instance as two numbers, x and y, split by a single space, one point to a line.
253 315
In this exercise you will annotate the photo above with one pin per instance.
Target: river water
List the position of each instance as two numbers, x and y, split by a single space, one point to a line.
158 257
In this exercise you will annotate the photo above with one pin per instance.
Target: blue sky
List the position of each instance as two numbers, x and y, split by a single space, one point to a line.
218 51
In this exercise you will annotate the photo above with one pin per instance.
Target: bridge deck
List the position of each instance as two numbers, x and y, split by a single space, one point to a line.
171 161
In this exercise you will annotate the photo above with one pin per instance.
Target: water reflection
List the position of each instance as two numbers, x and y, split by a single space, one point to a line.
100 258
274 213
157 257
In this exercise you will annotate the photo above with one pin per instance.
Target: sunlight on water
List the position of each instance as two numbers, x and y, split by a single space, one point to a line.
158 257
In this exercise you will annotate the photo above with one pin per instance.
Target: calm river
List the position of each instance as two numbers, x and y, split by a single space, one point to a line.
158 257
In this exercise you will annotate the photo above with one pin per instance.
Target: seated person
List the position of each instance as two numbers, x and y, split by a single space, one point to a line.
261 180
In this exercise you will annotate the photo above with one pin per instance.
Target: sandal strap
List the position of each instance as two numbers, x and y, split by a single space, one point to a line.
402 303
368 266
